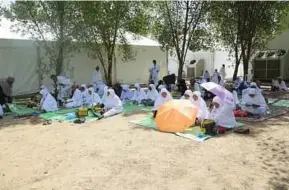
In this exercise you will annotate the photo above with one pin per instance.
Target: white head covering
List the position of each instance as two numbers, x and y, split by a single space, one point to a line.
126 93
161 100
139 94
153 93
93 98
223 116
104 96
112 101
188 93
83 85
258 99
48 102
203 112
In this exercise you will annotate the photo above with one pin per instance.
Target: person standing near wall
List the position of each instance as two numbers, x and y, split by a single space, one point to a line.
154 72
223 72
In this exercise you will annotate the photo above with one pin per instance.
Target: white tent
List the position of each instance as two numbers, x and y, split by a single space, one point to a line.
19 58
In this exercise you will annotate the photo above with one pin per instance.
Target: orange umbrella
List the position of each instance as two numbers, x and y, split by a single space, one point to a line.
176 116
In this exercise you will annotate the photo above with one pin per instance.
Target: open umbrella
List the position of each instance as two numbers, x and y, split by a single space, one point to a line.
219 91
176 116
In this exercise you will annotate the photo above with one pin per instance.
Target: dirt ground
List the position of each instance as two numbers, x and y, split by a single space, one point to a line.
112 154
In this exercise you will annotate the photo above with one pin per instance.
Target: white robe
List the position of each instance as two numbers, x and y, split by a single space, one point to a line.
93 98
223 116
206 75
203 112
282 86
258 99
64 87
236 99
161 100
126 94
223 73
47 102
153 93
104 96
155 73
139 94
113 104
97 80
200 104
215 77
76 100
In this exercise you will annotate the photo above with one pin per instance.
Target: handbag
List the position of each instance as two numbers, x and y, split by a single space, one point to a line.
209 127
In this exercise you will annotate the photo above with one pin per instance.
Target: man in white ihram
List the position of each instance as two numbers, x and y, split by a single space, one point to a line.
223 72
154 72
97 80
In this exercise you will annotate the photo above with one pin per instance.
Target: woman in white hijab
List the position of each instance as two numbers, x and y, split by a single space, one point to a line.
163 97
76 100
104 96
200 103
282 85
253 102
93 98
138 95
47 102
152 95
126 93
222 114
113 104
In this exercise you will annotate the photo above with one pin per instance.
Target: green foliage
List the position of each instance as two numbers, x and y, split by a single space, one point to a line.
244 27
104 24
179 26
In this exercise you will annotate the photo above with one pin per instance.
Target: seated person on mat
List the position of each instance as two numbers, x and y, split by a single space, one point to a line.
126 94
77 98
139 95
93 98
47 102
163 97
279 85
222 114
152 95
197 100
112 105
254 103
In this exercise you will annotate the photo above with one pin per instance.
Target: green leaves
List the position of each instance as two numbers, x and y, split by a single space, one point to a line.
245 26
179 25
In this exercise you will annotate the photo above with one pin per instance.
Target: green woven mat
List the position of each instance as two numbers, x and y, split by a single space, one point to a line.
131 107
282 103
19 110
191 133
61 115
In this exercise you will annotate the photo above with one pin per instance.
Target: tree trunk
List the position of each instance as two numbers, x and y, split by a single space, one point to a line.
59 60
59 66
246 66
109 70
236 71
180 71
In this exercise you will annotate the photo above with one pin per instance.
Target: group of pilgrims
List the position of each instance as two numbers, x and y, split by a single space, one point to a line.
157 94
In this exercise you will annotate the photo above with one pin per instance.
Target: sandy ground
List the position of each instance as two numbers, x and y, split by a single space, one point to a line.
112 154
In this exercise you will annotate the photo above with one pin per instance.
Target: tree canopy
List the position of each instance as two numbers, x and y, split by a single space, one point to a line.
245 26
